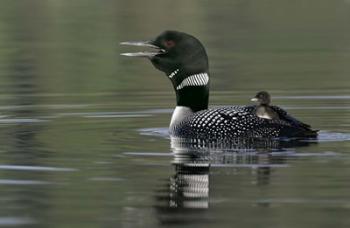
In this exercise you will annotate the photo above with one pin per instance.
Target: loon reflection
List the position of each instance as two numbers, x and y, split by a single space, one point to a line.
189 187
187 191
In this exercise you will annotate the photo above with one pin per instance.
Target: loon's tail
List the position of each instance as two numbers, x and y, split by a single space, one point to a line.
299 133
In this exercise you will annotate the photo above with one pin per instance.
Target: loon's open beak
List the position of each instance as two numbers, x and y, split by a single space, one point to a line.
149 54
254 99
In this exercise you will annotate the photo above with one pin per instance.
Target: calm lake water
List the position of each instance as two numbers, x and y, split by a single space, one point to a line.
83 139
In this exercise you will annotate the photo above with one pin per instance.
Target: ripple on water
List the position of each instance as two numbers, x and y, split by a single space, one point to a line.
162 132
133 114
150 154
16 221
325 136
22 182
35 168
294 154
216 156
117 116
318 97
106 179
344 202
20 120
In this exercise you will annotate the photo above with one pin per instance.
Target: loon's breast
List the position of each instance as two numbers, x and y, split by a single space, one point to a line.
231 122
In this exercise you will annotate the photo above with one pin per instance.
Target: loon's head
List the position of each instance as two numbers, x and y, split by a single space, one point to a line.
184 60
262 98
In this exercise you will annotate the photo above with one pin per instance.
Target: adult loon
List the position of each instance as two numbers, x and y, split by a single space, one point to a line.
184 60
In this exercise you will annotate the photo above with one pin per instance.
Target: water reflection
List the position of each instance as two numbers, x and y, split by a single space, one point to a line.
189 187
187 191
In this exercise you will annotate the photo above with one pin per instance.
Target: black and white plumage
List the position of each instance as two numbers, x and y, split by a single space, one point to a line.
238 121
184 60
201 79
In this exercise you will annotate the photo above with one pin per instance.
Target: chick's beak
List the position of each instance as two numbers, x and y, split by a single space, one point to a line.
148 54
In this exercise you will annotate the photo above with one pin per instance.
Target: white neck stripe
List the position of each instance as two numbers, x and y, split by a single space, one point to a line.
194 80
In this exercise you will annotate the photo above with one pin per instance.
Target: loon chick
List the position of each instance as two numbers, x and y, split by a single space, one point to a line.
263 109
184 60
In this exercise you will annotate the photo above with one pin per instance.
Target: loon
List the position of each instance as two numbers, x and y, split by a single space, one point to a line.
264 110
184 60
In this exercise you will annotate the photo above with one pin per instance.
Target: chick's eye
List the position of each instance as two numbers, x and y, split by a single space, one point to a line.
169 43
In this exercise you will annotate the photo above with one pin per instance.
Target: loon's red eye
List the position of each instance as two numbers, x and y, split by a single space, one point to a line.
169 43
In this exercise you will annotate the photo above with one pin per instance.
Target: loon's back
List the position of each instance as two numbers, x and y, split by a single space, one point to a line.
239 121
